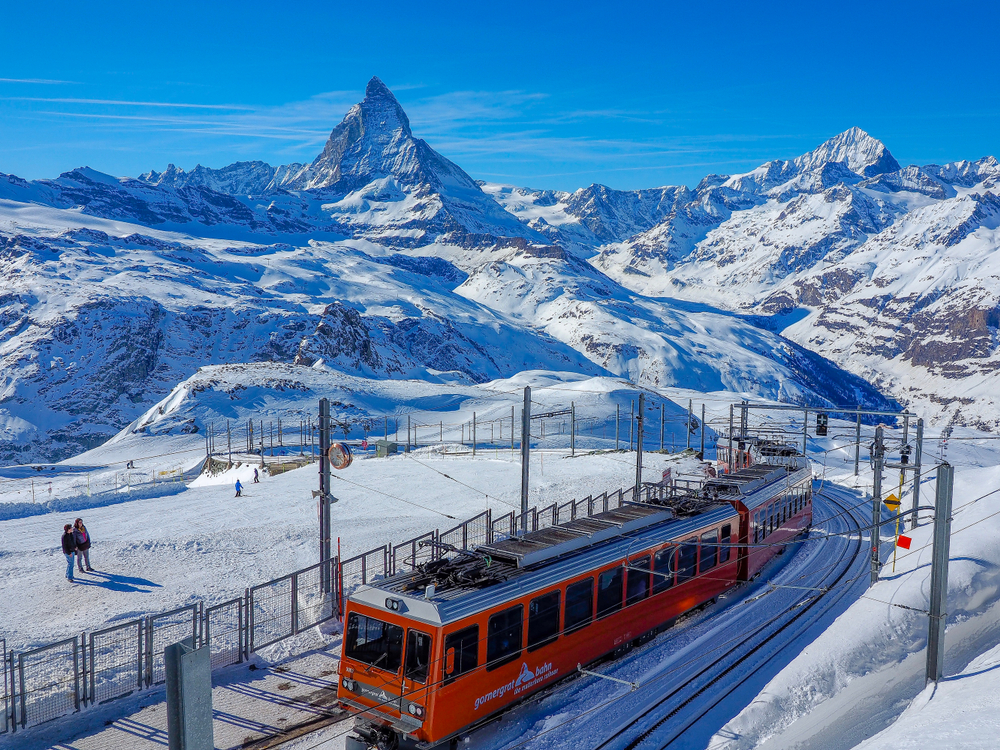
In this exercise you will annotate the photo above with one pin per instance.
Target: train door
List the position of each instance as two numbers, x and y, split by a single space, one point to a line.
416 673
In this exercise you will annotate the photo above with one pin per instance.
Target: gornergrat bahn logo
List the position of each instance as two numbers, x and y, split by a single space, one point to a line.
526 679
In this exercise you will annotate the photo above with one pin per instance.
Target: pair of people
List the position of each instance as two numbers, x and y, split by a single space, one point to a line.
239 485
76 544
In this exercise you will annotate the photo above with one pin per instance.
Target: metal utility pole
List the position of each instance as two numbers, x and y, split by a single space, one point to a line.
441 431
703 432
878 454
618 419
638 451
512 430
690 416
325 551
805 431
473 433
229 440
730 438
661 427
857 443
407 433
631 422
525 456
572 428
939 573
918 455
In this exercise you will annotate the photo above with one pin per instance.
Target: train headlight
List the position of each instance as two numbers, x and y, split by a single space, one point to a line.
349 684
416 710
392 604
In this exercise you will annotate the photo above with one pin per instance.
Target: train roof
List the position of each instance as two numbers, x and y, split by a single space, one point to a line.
469 582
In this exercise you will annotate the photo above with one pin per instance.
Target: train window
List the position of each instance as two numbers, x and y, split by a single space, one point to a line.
637 582
374 642
418 655
687 557
727 532
579 604
663 563
461 652
709 550
609 592
756 528
503 636
543 620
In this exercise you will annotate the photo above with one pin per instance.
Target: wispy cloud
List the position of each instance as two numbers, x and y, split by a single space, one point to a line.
45 81
119 103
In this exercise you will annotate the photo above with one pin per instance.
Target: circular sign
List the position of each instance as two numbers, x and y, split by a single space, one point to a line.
340 455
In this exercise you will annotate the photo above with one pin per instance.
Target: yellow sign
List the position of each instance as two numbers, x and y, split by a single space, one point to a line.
891 502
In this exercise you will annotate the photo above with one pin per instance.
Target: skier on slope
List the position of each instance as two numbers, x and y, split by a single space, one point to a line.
256 478
239 488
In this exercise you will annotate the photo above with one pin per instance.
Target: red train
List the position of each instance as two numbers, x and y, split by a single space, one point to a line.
430 654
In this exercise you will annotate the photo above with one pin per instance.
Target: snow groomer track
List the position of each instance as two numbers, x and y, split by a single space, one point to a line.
688 682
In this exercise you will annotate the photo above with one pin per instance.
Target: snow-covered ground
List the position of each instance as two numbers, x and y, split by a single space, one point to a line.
852 678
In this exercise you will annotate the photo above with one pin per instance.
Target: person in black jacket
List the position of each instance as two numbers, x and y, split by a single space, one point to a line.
69 549
82 545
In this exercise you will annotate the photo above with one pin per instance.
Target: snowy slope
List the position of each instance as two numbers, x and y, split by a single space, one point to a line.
887 271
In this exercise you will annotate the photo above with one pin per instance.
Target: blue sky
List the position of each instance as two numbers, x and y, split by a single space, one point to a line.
543 94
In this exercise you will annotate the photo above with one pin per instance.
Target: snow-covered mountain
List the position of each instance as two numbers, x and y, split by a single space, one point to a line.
382 258
886 270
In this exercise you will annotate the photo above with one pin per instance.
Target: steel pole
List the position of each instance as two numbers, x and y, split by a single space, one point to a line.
638 446
572 428
325 550
917 456
525 456
618 419
879 452
939 573
730 459
661 427
805 431
690 415
703 432
857 444
473 433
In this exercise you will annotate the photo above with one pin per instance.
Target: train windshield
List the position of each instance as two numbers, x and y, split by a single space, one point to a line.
374 642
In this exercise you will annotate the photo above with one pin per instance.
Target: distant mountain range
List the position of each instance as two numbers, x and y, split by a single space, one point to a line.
836 277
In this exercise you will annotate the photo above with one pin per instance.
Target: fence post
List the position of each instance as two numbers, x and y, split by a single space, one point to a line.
939 573
245 623
295 603
76 674
24 702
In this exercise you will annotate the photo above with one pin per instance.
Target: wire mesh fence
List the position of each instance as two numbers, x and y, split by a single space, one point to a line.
414 552
271 610
114 662
363 569
223 632
161 631
5 686
48 682
315 595
469 534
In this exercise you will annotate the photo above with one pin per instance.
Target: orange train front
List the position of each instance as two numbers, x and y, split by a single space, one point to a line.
430 654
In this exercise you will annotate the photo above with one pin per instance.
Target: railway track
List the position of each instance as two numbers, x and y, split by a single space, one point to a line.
693 701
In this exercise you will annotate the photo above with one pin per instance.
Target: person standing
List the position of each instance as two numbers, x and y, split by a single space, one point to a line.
256 477
239 488
82 545
69 549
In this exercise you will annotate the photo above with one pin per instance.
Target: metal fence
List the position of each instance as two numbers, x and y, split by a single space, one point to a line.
161 631
5 705
223 632
114 662
48 682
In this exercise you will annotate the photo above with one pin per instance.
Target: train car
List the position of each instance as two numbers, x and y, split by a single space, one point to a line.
431 654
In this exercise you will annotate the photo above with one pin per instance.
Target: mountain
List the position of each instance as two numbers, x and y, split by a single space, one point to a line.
383 259
887 270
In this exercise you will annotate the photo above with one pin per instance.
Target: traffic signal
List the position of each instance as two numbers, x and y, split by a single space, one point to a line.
821 420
